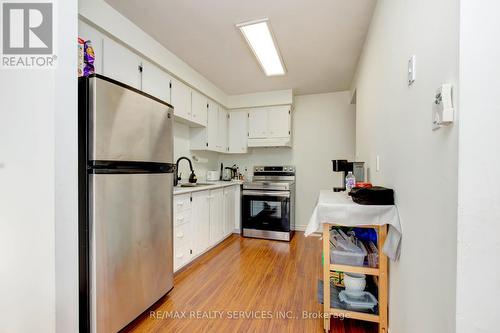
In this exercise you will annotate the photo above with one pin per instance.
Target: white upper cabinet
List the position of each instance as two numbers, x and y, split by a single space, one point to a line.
270 126
180 97
199 107
189 105
155 81
279 122
257 123
120 63
213 137
238 132
212 125
222 130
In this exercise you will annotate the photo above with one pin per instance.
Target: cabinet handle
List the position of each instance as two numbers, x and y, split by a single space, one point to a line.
180 234
178 256
180 218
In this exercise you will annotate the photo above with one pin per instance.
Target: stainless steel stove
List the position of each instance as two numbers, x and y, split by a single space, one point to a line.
268 203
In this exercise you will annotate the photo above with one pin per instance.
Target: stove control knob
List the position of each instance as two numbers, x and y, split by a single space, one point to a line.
286 169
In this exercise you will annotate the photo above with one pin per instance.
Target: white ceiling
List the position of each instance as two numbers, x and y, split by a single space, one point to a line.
320 40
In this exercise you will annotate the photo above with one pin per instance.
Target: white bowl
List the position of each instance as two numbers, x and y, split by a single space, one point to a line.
354 283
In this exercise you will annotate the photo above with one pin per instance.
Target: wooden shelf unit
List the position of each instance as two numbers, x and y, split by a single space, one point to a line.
379 273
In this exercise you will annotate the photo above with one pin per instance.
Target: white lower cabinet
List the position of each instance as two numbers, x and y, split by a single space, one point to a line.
216 216
202 220
229 209
182 230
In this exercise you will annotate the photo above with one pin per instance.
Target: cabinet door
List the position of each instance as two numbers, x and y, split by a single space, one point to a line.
216 216
257 123
279 122
222 130
212 125
200 220
229 209
180 97
120 63
155 81
87 32
238 132
199 108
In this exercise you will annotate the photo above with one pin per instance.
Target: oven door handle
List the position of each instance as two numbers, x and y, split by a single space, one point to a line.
281 194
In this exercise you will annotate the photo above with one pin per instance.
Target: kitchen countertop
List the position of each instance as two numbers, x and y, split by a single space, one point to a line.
211 186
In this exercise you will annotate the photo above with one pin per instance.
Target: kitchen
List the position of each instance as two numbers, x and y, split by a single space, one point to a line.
232 160
185 182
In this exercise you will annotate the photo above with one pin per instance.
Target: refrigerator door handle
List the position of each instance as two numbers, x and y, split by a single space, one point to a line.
131 167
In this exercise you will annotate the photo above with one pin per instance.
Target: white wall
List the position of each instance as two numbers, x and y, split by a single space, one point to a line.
208 160
266 98
38 220
323 129
66 170
394 122
478 272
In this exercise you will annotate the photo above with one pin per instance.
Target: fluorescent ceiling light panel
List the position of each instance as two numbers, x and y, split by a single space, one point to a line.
260 38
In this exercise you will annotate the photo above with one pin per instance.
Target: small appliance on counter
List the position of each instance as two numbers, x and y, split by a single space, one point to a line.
212 176
230 173
344 166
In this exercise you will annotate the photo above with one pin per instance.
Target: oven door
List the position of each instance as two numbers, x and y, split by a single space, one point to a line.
266 210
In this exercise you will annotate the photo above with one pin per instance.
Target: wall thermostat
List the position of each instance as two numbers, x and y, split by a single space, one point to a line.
443 112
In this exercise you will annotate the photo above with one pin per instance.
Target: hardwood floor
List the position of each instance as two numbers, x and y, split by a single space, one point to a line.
244 285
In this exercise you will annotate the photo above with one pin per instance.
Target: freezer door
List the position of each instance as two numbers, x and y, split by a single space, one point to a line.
131 252
127 125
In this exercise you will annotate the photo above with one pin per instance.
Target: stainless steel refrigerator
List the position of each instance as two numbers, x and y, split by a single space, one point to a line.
125 203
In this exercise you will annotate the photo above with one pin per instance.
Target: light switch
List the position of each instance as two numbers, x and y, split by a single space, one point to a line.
412 71
377 164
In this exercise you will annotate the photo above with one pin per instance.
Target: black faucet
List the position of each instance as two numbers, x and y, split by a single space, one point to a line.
192 177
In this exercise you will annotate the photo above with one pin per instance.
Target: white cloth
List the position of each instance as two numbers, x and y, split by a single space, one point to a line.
338 208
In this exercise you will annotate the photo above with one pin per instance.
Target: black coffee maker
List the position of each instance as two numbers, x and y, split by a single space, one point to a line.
344 166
